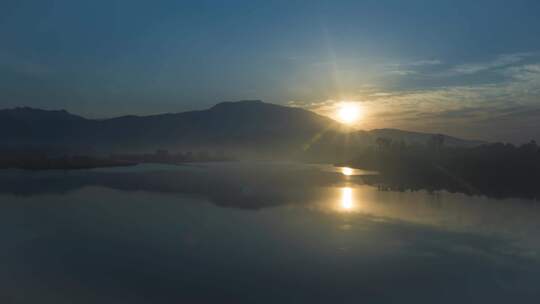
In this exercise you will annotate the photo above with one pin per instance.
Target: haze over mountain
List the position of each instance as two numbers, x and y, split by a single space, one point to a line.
243 126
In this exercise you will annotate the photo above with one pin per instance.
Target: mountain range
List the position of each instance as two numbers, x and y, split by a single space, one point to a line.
249 126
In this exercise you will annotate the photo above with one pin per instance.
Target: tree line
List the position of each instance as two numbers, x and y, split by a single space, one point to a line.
497 170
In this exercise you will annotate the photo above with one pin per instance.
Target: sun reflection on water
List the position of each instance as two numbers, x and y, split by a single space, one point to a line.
347 201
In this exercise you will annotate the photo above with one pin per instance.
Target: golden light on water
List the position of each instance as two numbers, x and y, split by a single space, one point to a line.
349 112
347 201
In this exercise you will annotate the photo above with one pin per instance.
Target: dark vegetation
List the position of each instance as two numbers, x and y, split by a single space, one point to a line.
55 159
165 157
496 170
47 160
71 162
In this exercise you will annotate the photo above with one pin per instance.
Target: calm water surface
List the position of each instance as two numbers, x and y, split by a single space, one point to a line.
250 232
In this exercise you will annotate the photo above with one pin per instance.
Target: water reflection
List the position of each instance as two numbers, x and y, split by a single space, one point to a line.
469 249
347 201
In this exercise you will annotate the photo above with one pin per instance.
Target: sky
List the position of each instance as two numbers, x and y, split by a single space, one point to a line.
465 68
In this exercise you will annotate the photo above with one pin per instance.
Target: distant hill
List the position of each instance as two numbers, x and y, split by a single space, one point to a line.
37 127
421 138
250 126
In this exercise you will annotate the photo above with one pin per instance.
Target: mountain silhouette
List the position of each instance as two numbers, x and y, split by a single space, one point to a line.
421 138
242 126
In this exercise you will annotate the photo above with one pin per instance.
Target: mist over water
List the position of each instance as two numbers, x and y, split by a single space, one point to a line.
261 232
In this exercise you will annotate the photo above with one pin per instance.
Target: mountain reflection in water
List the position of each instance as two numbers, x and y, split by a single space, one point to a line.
147 234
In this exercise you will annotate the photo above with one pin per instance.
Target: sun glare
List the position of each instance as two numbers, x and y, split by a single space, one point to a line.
349 113
346 171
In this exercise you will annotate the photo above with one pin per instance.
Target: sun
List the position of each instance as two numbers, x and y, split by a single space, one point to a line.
349 113
346 171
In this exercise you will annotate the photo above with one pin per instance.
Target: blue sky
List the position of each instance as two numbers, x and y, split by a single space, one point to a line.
468 68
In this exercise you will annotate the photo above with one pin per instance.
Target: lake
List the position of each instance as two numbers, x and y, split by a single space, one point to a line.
257 232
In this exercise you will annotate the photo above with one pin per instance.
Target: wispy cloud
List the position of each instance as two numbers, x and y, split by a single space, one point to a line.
402 72
425 62
501 61
528 72
408 68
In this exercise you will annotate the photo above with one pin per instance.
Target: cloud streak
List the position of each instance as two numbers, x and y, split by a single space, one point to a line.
500 61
